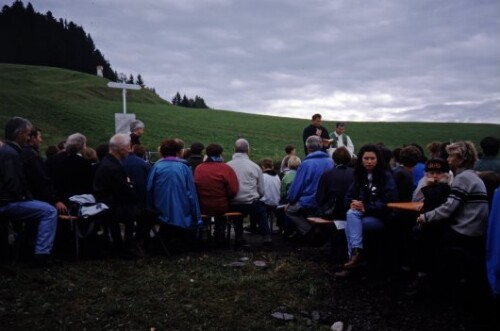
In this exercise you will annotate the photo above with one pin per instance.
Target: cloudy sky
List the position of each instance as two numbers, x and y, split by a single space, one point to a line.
351 60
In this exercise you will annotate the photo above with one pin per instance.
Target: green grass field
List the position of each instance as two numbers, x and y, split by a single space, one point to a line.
197 290
62 102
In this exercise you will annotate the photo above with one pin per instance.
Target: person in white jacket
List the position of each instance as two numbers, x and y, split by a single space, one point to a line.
338 138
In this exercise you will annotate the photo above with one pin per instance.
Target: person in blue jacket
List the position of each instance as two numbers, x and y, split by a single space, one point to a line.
302 194
171 191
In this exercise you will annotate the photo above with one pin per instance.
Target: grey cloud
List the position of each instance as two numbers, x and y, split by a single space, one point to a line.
406 59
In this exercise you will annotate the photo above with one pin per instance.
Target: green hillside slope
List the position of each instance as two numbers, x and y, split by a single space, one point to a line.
62 102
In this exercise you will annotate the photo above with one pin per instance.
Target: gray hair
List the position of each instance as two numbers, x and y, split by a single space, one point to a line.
119 141
241 146
313 144
465 150
136 125
75 143
15 126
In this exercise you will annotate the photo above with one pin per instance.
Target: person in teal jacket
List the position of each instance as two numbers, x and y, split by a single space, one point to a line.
171 191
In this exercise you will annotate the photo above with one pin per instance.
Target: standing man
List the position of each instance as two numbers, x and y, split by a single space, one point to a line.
340 139
314 129
251 189
15 200
136 131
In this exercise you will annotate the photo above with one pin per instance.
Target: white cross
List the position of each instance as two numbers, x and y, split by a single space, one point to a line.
124 88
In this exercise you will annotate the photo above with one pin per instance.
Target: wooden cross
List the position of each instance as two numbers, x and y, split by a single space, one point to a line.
124 88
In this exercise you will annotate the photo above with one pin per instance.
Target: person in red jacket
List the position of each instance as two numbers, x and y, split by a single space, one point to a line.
216 183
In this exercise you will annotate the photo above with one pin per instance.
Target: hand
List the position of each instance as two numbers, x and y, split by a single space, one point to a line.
421 219
61 208
286 207
358 205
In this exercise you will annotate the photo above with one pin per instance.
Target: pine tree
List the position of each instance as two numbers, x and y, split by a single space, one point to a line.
199 102
184 102
176 100
28 37
139 81
130 79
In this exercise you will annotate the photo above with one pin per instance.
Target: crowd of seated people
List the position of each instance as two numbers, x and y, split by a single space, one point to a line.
174 193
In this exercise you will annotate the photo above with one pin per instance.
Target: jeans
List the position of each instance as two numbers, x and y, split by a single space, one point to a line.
356 224
34 211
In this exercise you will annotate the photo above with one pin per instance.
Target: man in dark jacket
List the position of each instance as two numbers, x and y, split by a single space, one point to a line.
113 187
314 129
40 185
15 200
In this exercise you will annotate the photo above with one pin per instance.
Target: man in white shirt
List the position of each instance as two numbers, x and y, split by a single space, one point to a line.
338 138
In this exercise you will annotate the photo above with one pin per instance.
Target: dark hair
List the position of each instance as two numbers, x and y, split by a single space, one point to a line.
15 126
434 147
360 172
61 145
386 155
443 153
170 147
340 124
34 132
102 150
139 150
422 154
51 150
316 116
341 156
197 148
410 156
396 152
214 150
289 149
490 146
267 163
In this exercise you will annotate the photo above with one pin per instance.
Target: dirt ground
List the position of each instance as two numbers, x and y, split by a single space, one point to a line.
118 294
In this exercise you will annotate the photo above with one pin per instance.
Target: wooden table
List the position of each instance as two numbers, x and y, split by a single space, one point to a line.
406 206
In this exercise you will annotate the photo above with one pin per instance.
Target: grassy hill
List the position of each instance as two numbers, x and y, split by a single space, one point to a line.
62 102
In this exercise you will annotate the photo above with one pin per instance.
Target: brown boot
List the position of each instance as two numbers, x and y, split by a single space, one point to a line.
346 273
356 258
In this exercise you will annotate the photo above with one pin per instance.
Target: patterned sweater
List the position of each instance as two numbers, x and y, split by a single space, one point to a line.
466 206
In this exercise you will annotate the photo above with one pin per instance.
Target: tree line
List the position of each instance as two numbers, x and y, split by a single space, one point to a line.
32 38
197 102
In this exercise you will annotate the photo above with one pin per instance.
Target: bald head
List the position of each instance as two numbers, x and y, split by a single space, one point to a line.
119 145
241 146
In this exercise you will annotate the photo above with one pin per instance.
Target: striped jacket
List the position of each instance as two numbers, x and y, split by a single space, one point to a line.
466 206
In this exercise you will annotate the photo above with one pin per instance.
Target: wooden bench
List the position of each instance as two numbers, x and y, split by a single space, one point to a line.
229 216
73 221
335 228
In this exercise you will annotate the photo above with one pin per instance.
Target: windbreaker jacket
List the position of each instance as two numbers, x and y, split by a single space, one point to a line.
216 183
172 194
305 183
